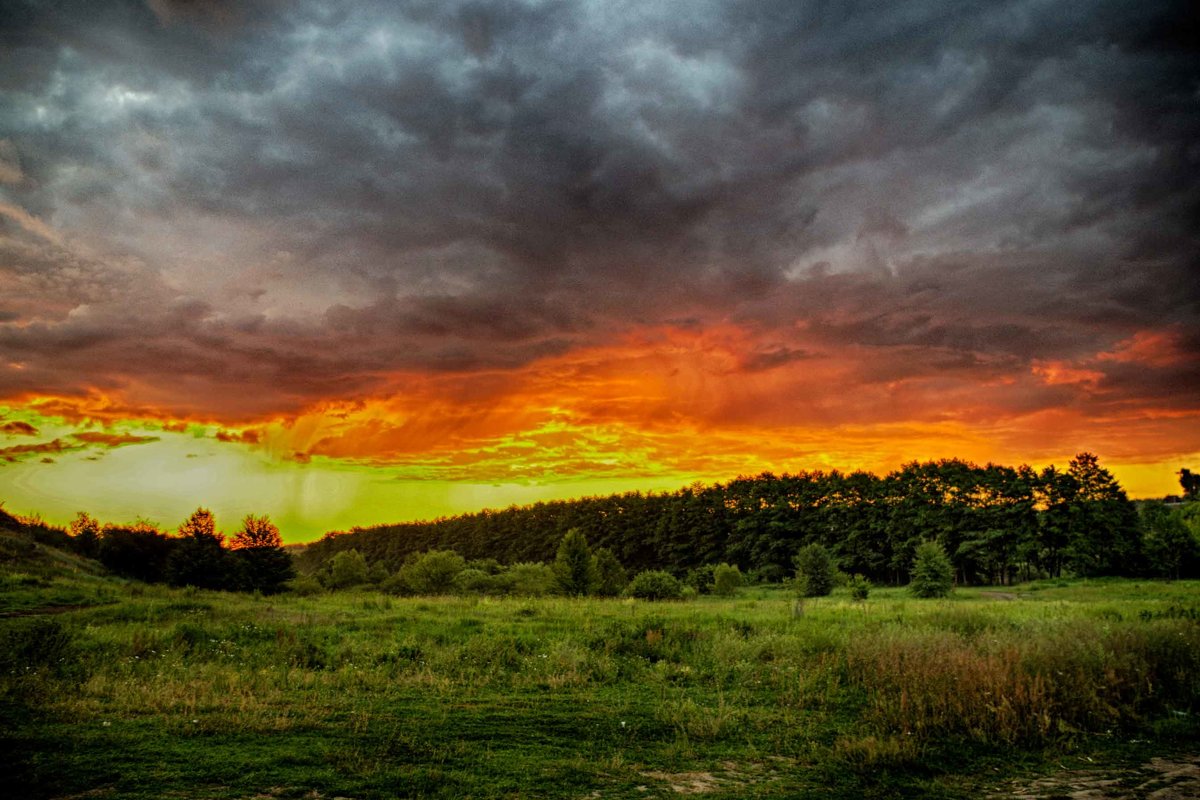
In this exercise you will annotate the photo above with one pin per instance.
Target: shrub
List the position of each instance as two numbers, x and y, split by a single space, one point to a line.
726 579
476 581
305 586
432 572
653 584
348 568
530 580
859 587
932 572
814 571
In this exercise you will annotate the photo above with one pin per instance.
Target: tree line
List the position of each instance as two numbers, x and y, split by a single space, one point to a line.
997 524
253 559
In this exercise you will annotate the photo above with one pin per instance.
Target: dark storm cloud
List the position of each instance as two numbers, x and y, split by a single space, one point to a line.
302 197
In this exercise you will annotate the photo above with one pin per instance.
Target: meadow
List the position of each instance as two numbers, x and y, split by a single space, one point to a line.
116 689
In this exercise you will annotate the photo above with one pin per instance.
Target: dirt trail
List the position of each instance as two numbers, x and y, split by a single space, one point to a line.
43 610
1159 779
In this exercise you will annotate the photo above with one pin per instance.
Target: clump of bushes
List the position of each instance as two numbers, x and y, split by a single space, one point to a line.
654 584
860 588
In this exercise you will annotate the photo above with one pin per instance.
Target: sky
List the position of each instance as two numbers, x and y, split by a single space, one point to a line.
348 263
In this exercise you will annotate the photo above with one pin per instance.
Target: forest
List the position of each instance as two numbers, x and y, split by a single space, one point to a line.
998 524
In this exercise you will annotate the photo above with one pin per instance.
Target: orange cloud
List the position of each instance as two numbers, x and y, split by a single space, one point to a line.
20 450
18 428
247 436
1150 348
112 439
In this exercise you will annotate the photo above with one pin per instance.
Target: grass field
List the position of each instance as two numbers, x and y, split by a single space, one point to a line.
128 690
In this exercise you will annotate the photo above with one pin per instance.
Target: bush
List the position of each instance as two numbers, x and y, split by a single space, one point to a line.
932 572
432 572
476 581
814 571
653 584
859 587
348 568
305 586
726 579
530 580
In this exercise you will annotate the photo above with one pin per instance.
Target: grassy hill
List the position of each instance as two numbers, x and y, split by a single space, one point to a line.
36 575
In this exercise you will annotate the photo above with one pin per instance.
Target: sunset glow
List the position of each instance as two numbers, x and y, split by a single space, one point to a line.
372 266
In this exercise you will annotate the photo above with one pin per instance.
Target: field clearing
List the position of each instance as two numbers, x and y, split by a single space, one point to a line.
158 692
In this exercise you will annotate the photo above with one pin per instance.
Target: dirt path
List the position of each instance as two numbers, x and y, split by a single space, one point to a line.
1159 779
44 610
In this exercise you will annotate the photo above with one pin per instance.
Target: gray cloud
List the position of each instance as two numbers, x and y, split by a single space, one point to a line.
301 197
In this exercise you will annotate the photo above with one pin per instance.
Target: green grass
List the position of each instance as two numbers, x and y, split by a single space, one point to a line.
178 693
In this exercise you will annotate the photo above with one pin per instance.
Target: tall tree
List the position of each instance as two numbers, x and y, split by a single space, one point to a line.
573 564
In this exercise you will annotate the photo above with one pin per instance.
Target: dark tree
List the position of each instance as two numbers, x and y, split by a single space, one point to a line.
200 558
1190 482
85 535
139 551
258 550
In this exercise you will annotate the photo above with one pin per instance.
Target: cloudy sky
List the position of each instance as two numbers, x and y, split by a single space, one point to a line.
356 262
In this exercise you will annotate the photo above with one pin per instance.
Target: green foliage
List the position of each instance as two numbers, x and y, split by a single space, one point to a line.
609 576
701 578
573 564
932 573
305 586
430 573
860 587
815 571
531 579
726 579
655 584
347 569
1169 546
